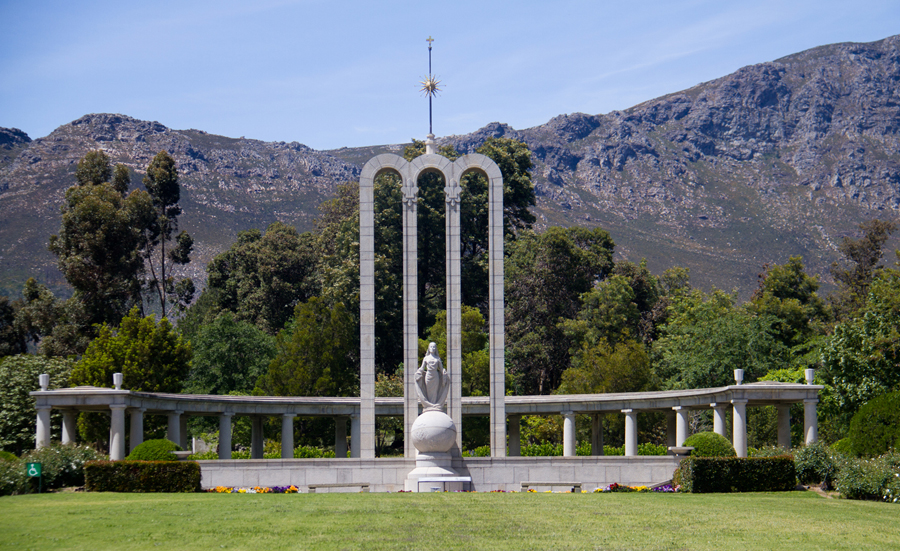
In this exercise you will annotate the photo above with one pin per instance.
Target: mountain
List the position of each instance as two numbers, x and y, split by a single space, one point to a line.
776 159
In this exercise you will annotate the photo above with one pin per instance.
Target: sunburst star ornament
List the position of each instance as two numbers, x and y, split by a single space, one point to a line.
430 85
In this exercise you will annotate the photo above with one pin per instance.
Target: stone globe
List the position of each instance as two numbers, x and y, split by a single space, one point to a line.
433 432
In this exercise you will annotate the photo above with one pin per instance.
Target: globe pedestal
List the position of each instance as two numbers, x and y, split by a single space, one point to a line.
433 435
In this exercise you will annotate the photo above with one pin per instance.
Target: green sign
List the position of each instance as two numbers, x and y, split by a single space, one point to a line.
33 469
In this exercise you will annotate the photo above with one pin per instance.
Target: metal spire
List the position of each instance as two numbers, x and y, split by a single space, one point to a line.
430 86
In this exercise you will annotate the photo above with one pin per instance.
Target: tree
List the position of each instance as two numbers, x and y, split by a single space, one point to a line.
151 356
262 277
861 258
861 359
161 182
18 377
787 293
707 336
229 356
99 239
608 314
608 368
473 348
57 327
12 341
315 354
546 275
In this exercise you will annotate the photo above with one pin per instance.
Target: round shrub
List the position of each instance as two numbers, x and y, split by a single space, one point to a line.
875 428
155 450
815 464
710 444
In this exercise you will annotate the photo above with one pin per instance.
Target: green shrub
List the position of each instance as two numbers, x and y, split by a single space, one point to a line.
865 478
310 452
815 464
12 478
844 446
875 428
710 444
205 456
768 451
7 456
62 465
154 450
142 476
736 474
481 451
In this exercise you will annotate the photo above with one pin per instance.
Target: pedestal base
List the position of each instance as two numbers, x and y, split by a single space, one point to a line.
432 465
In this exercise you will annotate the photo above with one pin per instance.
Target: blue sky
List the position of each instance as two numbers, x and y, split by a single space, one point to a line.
330 74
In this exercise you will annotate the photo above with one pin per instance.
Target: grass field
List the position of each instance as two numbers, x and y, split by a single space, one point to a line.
796 520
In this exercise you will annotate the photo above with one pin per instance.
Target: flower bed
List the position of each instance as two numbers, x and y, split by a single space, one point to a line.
255 490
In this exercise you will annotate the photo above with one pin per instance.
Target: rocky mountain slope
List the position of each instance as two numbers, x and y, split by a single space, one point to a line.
776 159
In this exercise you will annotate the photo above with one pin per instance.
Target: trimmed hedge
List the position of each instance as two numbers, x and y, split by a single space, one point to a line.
736 474
142 476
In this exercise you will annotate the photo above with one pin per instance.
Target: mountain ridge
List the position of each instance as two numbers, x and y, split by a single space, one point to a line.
780 158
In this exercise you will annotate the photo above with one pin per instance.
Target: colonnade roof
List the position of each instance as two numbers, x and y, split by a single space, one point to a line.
99 399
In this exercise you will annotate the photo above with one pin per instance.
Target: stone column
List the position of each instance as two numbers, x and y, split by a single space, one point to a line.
597 434
42 432
225 435
515 439
257 449
69 426
671 429
354 436
631 428
784 425
454 307
410 315
287 436
719 418
810 421
496 322
117 432
340 437
367 304
182 432
569 443
681 424
739 431
173 428
137 428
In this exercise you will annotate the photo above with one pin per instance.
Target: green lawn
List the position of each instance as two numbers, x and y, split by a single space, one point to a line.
796 520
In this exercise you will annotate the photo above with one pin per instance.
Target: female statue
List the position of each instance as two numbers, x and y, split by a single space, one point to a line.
432 381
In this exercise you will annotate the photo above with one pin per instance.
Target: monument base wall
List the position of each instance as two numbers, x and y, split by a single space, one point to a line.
487 473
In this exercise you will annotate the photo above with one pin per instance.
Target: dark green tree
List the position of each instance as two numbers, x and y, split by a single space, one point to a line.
99 240
316 354
56 327
707 336
151 356
262 277
603 368
12 341
861 262
546 275
161 182
229 356
861 359
787 293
